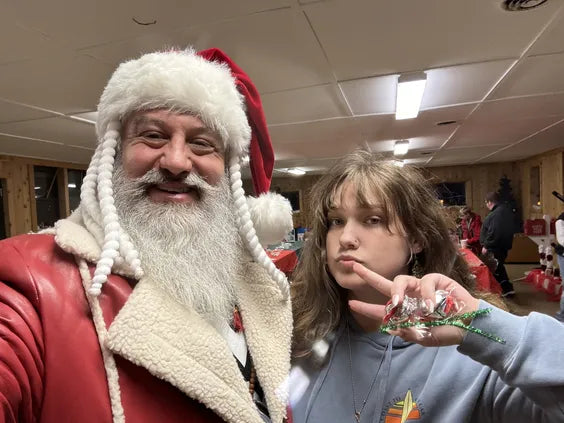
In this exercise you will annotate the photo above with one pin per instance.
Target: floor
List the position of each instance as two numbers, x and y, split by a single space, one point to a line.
527 298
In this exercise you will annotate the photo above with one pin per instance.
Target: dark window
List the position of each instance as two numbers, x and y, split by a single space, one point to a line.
46 196
294 198
3 209
451 193
75 178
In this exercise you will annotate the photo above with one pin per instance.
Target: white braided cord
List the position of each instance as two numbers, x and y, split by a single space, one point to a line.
247 230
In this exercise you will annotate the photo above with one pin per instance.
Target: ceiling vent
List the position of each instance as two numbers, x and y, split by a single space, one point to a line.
445 122
521 5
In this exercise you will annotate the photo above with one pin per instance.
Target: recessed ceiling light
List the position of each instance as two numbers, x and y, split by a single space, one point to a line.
297 172
401 147
409 95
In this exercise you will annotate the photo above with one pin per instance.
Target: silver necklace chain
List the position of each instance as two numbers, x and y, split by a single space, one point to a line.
357 413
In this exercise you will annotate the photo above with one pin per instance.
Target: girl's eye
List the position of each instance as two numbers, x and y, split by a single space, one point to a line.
335 221
373 220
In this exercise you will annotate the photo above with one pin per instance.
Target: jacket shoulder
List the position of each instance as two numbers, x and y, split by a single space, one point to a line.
32 262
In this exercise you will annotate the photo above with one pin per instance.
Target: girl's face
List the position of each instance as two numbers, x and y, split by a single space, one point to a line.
360 234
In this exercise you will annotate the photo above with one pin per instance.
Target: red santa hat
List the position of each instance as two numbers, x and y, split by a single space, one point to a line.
211 86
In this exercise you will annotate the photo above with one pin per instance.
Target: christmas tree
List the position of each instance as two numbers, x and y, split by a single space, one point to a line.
505 193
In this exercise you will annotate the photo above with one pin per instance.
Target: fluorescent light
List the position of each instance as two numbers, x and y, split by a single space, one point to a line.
297 172
71 185
37 187
401 147
409 95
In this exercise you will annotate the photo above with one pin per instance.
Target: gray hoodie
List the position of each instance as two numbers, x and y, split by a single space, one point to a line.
479 381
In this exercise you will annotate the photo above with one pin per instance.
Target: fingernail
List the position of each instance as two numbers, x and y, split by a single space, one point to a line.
430 305
395 300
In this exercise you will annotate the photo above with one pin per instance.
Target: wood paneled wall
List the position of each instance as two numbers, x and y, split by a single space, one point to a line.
551 166
20 195
479 179
18 175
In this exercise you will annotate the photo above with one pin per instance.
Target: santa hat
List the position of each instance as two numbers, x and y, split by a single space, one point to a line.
209 85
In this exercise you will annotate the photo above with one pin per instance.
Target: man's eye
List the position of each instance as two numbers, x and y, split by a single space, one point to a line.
373 220
200 145
152 135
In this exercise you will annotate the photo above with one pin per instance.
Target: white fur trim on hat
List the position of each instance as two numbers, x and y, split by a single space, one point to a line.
181 81
272 217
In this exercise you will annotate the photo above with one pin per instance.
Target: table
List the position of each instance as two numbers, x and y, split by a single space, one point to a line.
285 260
485 281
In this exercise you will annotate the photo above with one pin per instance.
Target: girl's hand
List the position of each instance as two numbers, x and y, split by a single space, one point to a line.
423 288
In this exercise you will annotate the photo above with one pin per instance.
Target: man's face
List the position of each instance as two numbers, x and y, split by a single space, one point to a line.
489 205
176 145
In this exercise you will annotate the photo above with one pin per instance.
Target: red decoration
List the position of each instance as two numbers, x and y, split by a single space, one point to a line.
237 322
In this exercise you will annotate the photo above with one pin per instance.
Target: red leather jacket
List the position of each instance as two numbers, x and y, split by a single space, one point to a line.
51 368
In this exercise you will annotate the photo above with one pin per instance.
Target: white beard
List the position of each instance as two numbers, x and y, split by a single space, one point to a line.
192 251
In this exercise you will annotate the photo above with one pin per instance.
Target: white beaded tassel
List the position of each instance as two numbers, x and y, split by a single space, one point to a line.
247 230
115 240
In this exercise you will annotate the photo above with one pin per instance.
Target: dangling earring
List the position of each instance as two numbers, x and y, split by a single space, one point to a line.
416 268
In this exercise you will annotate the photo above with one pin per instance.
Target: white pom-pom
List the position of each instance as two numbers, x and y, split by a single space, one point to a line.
272 217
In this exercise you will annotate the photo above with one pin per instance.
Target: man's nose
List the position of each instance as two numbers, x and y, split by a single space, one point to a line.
176 157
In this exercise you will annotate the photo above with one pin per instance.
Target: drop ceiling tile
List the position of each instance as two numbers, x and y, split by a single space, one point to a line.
520 108
365 38
18 43
316 149
11 112
277 49
313 103
477 133
552 40
462 84
371 95
445 86
535 75
104 21
386 127
336 131
544 141
461 155
60 130
43 150
66 83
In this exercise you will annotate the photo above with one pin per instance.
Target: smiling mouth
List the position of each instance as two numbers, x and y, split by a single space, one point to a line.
180 189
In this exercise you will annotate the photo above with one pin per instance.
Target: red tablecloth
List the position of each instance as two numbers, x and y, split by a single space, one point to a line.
485 281
285 260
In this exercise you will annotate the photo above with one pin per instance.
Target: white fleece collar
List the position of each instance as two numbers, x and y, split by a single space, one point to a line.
174 343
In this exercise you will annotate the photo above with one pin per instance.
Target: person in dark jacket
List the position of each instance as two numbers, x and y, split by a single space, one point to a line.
496 238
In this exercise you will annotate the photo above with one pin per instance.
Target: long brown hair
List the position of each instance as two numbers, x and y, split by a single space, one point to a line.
407 198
